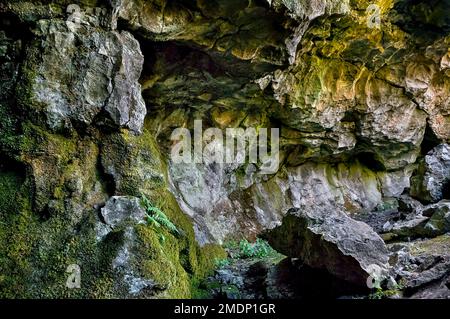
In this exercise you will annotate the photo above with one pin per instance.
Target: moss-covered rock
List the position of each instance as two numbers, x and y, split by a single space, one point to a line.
50 220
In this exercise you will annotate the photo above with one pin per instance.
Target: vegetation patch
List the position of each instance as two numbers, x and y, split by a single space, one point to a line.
259 249
158 219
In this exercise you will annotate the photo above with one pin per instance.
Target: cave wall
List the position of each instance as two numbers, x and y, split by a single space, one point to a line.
370 98
88 103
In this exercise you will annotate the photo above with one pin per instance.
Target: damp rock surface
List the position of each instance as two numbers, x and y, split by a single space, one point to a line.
90 93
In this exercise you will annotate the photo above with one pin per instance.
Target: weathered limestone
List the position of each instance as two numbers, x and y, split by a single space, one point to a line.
333 241
100 77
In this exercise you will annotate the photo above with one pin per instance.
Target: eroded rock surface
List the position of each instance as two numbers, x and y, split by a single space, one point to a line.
329 240
423 267
91 92
431 183
78 71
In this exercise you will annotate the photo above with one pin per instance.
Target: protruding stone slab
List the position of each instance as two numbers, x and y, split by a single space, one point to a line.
331 240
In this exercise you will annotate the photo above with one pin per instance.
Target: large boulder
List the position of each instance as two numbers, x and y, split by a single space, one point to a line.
433 176
98 80
439 222
423 267
121 214
332 241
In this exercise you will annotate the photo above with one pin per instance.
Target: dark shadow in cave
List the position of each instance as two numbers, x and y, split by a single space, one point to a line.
427 20
276 276
14 28
184 57
107 180
295 280
430 141
8 165
371 161
446 190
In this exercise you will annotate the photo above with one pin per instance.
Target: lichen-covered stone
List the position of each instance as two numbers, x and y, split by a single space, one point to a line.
422 267
439 222
133 162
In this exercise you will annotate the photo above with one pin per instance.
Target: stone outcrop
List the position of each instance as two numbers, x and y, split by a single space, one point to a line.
424 222
432 181
215 198
77 72
423 267
118 210
439 222
123 214
332 241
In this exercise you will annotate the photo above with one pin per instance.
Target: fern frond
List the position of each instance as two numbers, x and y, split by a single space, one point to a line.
153 221
157 217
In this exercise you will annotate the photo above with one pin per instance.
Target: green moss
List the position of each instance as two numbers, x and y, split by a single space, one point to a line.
35 251
384 294
36 254
142 171
15 236
28 74
36 140
9 138
160 262
197 262
9 187
178 263
59 249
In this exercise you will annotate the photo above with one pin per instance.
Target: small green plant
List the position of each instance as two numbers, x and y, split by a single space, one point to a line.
157 219
258 249
380 293
221 263
245 249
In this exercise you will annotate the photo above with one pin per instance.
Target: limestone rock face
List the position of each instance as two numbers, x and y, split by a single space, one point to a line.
433 177
336 100
215 199
124 213
351 251
118 209
79 72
